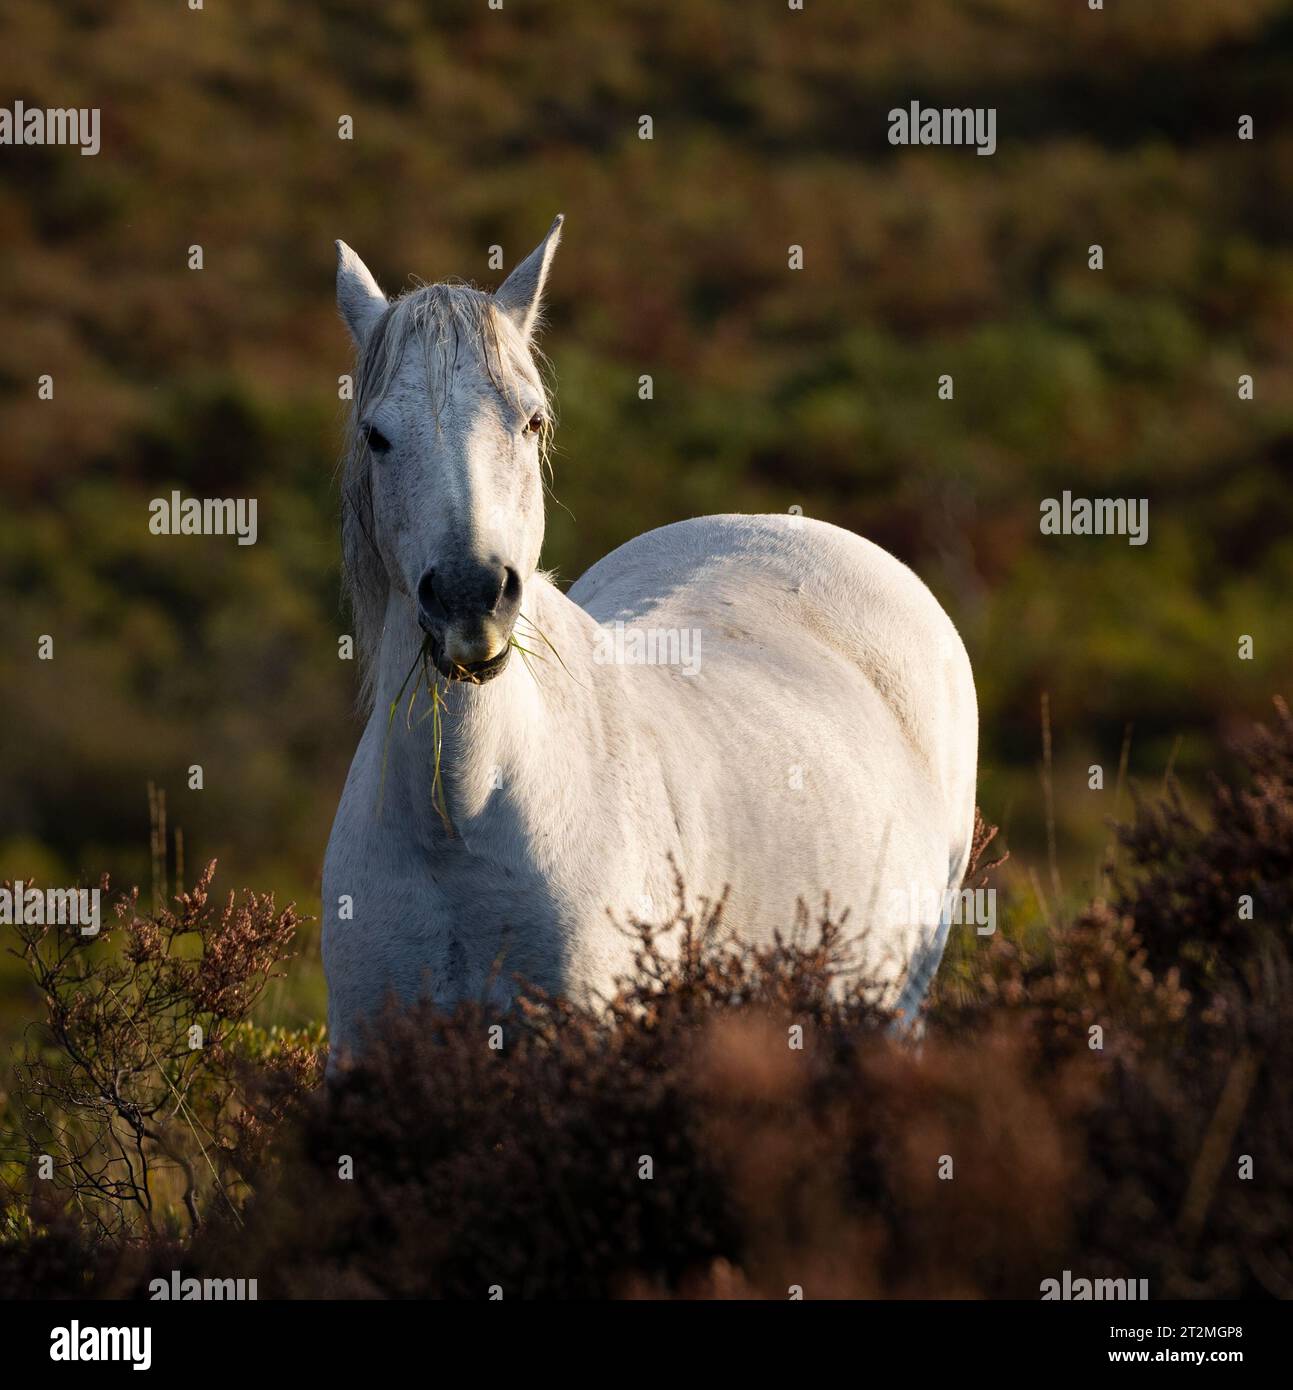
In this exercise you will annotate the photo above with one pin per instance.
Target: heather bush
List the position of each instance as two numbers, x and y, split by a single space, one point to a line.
1113 1099
1192 992
146 1094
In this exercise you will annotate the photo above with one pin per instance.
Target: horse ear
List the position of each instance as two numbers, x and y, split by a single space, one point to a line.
358 295
520 296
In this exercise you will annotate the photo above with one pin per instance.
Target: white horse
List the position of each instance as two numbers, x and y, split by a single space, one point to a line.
768 702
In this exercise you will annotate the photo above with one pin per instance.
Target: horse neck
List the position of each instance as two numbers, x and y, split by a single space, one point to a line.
524 737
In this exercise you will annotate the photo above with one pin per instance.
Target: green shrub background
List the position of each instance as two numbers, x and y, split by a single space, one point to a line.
773 388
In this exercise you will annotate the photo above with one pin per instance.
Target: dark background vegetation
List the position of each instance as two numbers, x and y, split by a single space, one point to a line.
773 388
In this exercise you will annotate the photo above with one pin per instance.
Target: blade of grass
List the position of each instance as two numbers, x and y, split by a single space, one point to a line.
438 797
390 720
548 643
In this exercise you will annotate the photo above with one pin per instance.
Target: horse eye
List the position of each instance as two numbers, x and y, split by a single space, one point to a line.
375 439
535 423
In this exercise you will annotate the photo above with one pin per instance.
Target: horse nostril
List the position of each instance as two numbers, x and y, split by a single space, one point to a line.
428 599
506 586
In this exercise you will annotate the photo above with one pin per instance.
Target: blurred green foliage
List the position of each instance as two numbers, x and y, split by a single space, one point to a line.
772 388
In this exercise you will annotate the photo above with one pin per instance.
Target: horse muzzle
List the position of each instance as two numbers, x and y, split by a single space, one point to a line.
469 614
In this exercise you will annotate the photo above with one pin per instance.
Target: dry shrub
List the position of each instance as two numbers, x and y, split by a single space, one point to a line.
735 1126
146 1087
771 1164
1194 1000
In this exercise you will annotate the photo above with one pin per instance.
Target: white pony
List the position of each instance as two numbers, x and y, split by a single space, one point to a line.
768 702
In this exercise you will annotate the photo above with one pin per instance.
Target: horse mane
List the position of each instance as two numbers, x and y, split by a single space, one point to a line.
441 319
